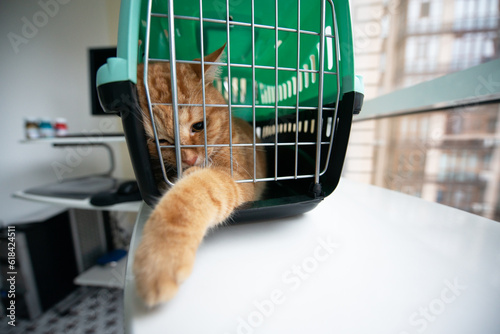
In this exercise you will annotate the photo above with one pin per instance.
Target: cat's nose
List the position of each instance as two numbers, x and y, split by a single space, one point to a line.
190 160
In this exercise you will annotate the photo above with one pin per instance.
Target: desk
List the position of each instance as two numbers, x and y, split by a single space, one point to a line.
366 260
78 203
83 140
93 238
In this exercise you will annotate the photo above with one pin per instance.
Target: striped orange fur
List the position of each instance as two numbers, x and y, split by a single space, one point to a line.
207 194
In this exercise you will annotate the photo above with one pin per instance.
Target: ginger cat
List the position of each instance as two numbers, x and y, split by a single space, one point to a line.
203 197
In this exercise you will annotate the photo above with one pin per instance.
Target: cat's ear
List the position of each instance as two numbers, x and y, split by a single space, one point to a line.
212 72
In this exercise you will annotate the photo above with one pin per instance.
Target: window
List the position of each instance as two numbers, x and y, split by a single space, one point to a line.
425 9
419 40
445 155
472 49
475 14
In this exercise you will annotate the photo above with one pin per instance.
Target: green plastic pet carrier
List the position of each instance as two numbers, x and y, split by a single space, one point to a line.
288 71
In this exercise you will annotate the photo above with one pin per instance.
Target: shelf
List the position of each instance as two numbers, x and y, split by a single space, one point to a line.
77 139
107 276
101 140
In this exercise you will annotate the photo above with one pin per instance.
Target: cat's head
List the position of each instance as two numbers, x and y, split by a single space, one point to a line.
192 127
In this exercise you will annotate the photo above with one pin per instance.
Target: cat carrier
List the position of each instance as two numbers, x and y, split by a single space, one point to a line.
288 71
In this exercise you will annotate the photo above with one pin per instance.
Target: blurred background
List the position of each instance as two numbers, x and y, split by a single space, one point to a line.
443 152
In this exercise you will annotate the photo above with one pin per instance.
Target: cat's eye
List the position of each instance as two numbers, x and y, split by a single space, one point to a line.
163 142
197 127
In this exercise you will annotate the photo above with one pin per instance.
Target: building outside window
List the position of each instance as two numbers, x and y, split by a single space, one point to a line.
451 156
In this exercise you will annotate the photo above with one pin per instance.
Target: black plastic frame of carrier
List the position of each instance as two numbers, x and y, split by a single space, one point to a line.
288 198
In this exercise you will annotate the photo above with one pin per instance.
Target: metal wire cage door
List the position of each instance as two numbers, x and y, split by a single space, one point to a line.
287 71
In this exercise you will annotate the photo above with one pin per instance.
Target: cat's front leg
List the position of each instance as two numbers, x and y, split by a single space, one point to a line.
172 234
164 258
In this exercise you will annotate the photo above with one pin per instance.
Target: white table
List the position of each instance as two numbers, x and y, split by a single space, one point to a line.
366 260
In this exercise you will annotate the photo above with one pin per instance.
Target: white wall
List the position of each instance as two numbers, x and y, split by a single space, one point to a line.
48 76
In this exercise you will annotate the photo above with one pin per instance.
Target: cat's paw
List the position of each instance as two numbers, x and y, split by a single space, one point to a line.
190 170
159 268
153 283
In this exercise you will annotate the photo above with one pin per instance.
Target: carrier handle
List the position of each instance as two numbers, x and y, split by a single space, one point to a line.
123 67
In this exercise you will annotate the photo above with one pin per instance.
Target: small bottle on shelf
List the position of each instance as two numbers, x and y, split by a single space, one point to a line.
31 129
46 129
61 127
